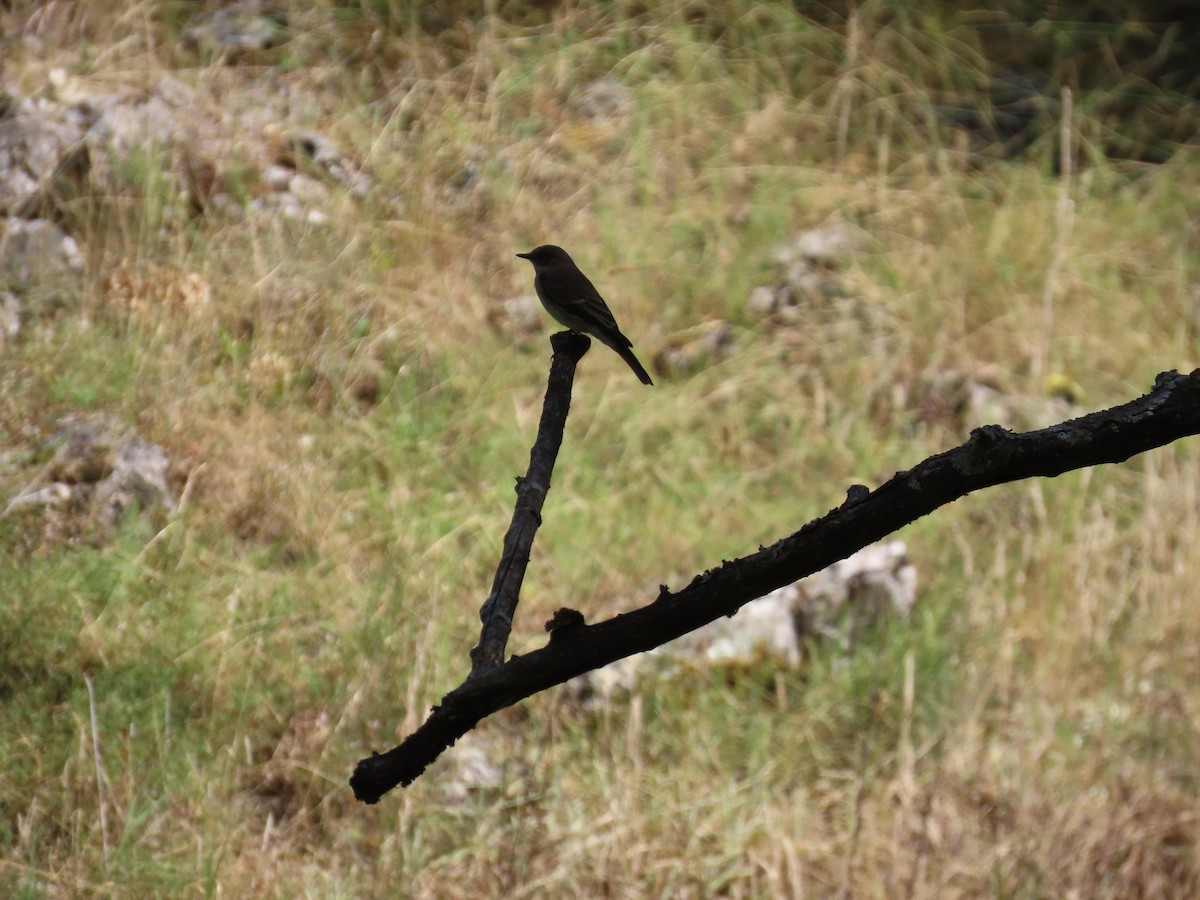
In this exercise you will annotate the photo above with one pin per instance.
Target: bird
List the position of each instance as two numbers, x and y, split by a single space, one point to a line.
571 299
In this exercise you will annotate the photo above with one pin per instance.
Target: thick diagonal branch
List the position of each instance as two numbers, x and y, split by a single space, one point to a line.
501 605
991 456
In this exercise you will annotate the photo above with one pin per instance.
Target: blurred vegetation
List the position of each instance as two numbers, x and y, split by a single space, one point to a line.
345 415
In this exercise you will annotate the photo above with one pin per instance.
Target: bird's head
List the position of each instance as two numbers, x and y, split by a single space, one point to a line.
546 255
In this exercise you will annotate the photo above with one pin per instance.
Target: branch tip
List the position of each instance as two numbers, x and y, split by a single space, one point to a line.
571 344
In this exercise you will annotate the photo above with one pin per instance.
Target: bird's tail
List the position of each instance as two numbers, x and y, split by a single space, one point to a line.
632 362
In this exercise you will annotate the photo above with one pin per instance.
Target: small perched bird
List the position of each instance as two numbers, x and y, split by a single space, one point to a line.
571 299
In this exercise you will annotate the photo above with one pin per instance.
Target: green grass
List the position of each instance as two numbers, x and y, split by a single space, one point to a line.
1026 732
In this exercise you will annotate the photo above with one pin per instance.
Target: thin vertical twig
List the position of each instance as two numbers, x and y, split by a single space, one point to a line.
1064 218
907 787
844 92
99 768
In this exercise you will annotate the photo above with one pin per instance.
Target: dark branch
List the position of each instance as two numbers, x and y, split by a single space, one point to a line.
992 455
501 605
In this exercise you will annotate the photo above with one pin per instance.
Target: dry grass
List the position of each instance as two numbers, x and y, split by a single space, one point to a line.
347 422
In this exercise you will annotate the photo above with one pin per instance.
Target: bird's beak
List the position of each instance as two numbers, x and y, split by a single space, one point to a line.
524 255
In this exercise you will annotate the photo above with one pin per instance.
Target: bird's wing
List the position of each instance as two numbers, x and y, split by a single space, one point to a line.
585 302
